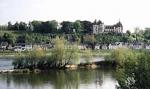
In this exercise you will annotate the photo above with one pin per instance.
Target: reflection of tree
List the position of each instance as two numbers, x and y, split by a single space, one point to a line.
65 80
58 79
8 81
99 79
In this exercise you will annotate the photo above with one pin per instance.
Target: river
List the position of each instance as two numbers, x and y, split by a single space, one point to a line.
58 79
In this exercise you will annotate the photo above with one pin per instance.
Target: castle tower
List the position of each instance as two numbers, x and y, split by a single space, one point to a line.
98 27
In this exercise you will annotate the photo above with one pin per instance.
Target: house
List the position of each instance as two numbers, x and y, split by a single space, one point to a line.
137 46
28 47
112 46
4 45
104 47
147 46
18 49
35 46
46 46
43 46
82 47
9 47
97 47
116 45
22 47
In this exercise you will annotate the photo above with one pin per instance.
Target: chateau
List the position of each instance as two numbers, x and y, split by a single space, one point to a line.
99 27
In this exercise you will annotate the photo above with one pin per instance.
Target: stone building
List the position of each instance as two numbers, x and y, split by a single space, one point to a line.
100 27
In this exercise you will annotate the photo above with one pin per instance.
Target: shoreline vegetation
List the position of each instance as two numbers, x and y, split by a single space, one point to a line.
59 58
132 68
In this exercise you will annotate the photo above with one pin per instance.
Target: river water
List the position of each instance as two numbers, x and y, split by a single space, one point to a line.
58 79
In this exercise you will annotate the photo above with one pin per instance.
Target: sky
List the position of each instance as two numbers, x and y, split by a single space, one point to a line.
132 13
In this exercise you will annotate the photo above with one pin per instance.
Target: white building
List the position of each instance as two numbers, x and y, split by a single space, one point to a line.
137 46
97 47
147 47
82 47
116 45
99 27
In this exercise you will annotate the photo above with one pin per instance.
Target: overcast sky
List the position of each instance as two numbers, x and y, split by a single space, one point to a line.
132 13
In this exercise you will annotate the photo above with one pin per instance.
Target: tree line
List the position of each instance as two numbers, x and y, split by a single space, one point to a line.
52 26
77 31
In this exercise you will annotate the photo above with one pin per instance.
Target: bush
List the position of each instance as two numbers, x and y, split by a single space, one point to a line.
135 72
62 56
30 60
122 55
88 55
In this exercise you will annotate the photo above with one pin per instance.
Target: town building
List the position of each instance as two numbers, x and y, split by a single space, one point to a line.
100 27
22 47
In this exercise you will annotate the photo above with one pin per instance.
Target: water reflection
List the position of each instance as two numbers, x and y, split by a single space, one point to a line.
6 64
60 79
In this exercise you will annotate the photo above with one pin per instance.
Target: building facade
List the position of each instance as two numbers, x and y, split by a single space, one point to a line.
99 27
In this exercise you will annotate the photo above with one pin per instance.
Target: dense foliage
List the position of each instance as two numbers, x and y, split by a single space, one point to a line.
133 70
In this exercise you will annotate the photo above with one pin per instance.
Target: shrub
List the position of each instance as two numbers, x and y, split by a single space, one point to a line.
135 72
122 55
88 55
62 56
30 60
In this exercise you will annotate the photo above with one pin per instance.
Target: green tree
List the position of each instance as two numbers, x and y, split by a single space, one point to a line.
122 55
87 26
10 26
65 56
28 38
23 26
67 27
139 35
36 26
53 26
147 35
3 27
16 26
10 38
128 32
77 26
90 40
88 55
